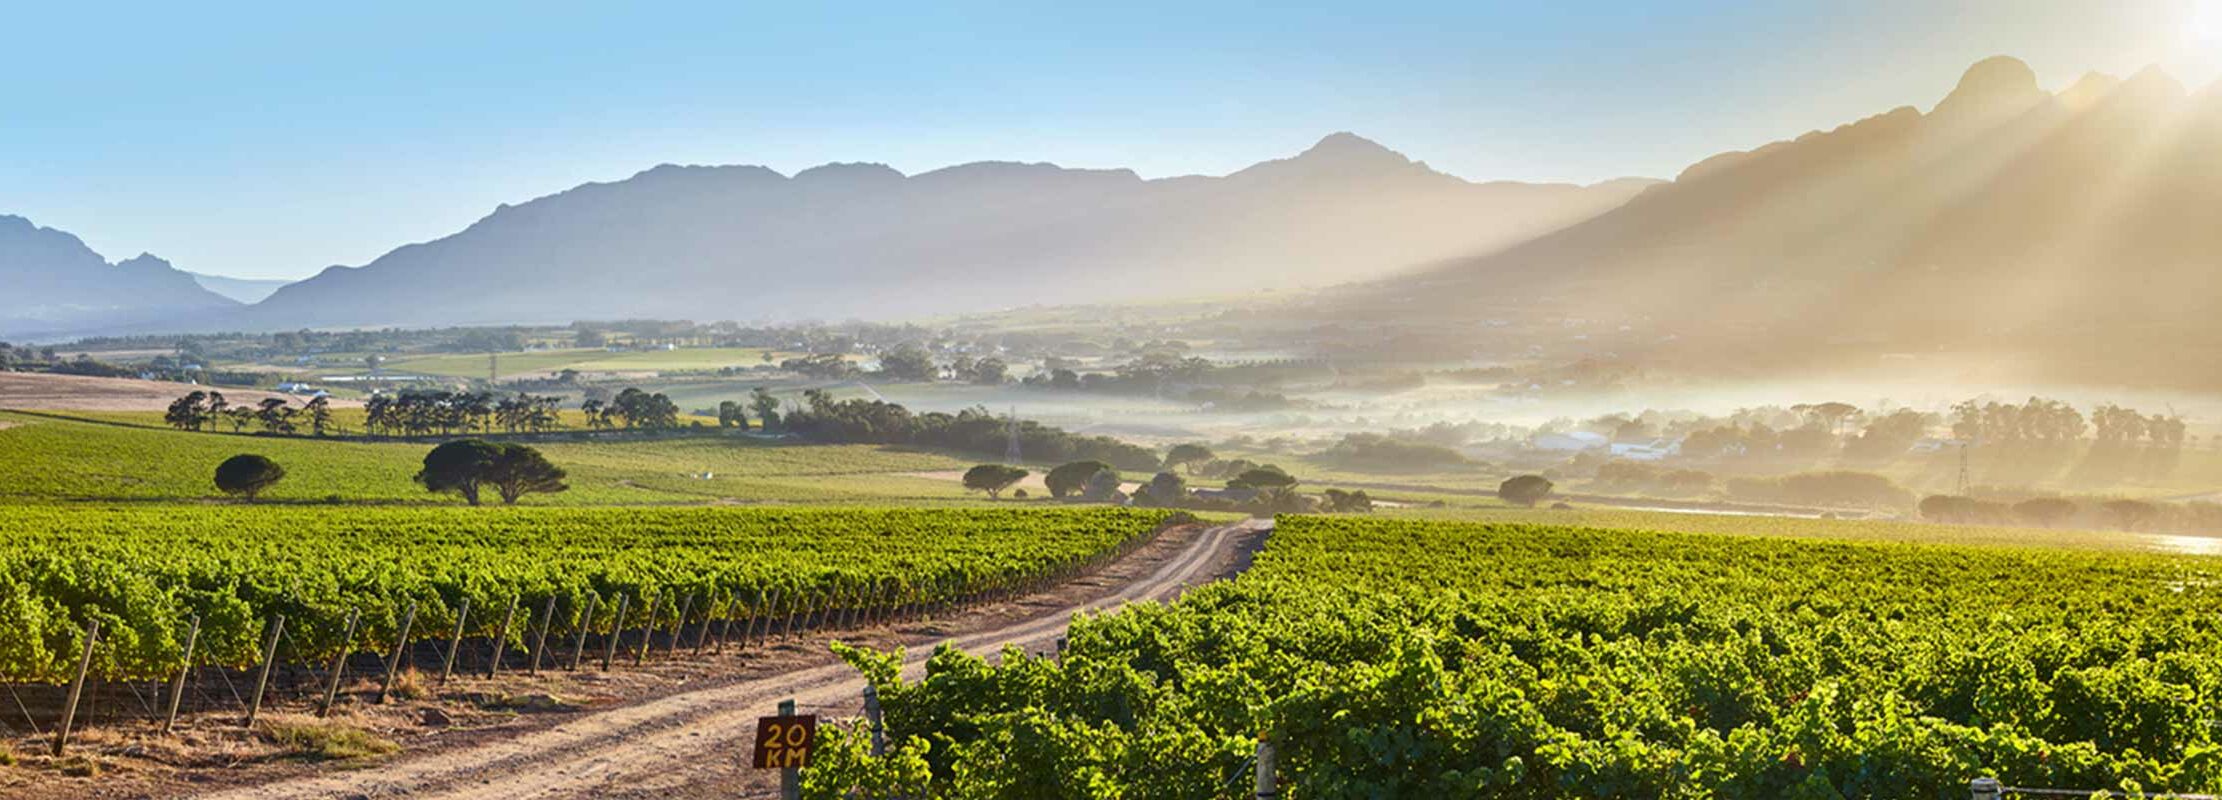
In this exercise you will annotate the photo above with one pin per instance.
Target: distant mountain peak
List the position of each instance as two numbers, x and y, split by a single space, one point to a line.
1995 85
2090 90
1347 147
850 172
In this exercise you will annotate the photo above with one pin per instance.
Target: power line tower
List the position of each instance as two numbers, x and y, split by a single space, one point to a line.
1010 448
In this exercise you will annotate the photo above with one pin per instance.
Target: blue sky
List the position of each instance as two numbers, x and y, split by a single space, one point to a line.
273 141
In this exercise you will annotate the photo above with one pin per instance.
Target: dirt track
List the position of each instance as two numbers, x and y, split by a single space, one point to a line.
692 744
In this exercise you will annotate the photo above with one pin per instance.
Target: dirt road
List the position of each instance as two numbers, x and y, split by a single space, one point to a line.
692 744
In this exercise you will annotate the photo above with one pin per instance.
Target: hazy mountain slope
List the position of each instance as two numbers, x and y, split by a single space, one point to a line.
245 290
2084 221
863 240
55 284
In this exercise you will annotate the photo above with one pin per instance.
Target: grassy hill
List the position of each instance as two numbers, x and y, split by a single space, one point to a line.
63 460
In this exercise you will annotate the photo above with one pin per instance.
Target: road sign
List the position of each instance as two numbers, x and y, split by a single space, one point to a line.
785 742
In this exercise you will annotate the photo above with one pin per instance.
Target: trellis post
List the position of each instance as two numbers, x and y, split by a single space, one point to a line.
76 688
177 690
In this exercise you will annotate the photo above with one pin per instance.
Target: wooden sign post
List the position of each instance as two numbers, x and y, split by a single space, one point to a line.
784 743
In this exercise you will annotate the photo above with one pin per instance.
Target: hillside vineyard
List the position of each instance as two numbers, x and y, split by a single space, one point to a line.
143 573
1429 659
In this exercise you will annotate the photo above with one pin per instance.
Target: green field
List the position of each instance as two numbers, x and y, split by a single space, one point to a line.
48 460
1406 658
143 571
538 362
1876 530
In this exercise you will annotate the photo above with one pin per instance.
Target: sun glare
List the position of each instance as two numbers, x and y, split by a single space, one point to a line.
2205 27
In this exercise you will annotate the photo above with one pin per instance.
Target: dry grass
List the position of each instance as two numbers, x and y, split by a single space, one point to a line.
326 740
408 684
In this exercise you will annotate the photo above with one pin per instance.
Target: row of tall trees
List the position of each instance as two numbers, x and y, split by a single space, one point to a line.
424 413
974 430
208 410
2048 421
632 409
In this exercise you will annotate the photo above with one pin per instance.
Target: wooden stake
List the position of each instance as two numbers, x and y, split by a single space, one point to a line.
400 648
790 778
177 690
586 623
501 638
725 629
647 631
339 666
455 645
617 626
678 624
76 688
540 640
269 655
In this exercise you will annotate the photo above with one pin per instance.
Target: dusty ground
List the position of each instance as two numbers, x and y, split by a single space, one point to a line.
675 727
38 391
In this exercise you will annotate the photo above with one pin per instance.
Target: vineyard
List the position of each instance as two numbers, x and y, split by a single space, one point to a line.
1410 658
341 575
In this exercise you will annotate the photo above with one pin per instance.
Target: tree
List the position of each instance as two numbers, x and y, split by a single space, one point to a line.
590 337
1070 478
239 416
1104 487
1187 456
992 479
1166 490
766 406
458 466
2130 515
247 475
275 416
189 412
319 409
731 414
1948 508
1524 490
517 470
1342 502
908 364
2045 511
990 371
1265 478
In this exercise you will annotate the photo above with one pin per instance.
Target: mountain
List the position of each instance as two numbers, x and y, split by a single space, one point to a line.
864 240
2076 230
245 290
56 285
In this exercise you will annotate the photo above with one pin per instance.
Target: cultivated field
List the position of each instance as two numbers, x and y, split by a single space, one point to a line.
1413 658
53 460
47 391
536 362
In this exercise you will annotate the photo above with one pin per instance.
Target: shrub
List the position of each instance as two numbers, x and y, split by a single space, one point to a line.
1524 490
247 475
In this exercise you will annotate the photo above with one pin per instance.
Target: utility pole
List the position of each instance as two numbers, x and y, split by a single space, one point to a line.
493 371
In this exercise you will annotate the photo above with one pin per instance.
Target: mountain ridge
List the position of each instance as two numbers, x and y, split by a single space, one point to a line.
860 238
58 284
2061 220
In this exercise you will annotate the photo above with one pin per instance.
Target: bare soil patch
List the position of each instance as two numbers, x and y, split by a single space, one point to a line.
39 391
